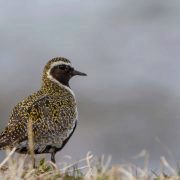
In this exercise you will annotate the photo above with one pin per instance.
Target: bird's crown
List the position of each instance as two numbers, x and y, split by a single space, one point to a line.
55 62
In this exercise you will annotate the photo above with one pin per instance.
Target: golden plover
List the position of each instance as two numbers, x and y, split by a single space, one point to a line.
52 111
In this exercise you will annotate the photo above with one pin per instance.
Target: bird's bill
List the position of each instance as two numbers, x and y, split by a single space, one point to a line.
78 73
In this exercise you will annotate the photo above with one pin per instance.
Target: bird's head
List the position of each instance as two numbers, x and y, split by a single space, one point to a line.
60 70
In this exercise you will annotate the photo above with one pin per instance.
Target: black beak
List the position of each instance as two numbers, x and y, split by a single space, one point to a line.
78 73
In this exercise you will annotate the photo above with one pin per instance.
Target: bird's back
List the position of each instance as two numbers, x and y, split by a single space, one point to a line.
53 118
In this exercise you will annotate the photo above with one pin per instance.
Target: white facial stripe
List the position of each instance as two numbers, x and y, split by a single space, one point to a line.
54 80
59 63
52 66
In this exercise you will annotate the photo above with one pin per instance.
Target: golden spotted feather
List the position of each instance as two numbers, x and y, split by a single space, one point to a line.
53 119
53 113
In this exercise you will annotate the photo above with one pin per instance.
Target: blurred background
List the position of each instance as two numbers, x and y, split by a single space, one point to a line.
130 100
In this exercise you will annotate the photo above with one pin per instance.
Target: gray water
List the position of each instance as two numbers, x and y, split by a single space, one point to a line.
130 100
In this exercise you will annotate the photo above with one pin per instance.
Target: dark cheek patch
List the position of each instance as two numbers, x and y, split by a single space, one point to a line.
60 75
55 72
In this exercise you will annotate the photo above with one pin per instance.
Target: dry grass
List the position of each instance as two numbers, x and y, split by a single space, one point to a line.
17 167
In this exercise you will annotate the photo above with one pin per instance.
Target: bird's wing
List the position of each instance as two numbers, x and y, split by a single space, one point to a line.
16 130
48 114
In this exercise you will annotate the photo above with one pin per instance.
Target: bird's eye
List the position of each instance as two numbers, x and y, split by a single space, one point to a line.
62 67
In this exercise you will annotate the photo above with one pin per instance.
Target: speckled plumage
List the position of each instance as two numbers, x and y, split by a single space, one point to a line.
53 113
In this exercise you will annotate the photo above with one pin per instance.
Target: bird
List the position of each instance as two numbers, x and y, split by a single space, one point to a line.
52 110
